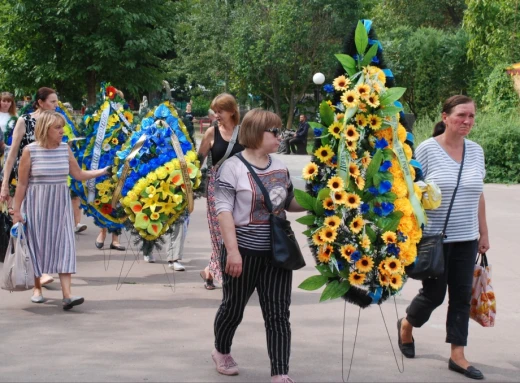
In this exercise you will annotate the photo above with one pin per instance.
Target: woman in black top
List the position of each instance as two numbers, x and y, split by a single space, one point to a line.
214 146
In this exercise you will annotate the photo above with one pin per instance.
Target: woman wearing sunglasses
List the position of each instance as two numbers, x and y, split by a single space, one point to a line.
246 256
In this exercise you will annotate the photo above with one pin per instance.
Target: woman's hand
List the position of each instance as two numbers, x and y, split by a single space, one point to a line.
4 193
234 264
483 243
17 217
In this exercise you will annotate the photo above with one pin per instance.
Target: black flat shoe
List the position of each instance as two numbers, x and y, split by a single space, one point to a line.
99 245
471 372
408 349
117 247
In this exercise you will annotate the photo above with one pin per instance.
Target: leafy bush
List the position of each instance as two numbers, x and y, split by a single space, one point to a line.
500 95
200 106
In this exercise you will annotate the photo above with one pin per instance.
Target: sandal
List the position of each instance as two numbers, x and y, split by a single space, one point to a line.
208 283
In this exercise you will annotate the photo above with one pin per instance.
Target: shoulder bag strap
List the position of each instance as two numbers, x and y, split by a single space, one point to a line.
267 200
230 145
456 188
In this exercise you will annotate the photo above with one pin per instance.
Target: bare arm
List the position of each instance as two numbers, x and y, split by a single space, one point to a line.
483 242
82 175
234 259
24 170
18 133
295 206
206 144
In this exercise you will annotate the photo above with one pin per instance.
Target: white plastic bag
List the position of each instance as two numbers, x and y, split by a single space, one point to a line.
18 271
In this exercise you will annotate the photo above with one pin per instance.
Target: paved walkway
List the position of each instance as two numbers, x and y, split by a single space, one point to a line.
145 331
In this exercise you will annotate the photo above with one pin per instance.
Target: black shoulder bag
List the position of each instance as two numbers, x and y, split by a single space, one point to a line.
430 255
286 253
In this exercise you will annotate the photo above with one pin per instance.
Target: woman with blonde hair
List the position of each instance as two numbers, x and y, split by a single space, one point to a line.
219 143
7 110
43 197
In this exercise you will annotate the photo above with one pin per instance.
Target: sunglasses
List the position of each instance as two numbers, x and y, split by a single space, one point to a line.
275 131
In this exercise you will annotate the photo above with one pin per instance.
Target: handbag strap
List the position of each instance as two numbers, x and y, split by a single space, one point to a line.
267 199
455 191
230 145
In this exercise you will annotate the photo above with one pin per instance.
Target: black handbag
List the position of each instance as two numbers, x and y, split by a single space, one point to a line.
430 253
286 253
5 230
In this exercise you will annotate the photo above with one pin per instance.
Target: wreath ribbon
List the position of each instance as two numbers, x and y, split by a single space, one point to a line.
184 170
103 122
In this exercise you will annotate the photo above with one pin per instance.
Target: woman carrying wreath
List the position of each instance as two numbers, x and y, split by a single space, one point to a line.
219 142
245 228
466 234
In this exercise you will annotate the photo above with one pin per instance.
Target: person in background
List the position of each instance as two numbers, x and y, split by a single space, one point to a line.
466 234
246 231
176 241
214 145
299 137
7 110
43 196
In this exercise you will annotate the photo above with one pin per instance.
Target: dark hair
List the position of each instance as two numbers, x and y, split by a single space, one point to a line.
447 108
42 94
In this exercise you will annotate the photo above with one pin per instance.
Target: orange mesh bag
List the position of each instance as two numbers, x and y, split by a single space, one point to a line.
483 303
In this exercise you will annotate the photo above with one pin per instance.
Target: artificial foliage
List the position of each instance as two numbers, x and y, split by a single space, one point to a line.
365 214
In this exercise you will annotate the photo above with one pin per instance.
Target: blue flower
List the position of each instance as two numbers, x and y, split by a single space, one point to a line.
381 144
365 207
317 188
401 237
378 211
375 60
162 111
317 132
329 213
372 190
385 166
341 265
328 88
384 187
334 159
387 208
146 123
355 256
393 249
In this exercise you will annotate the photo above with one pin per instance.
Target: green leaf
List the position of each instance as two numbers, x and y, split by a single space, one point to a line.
307 220
326 114
307 233
361 38
382 176
315 125
313 283
348 63
306 201
371 234
391 95
340 290
389 110
325 270
373 168
318 208
388 154
323 193
329 290
370 55
325 140
391 222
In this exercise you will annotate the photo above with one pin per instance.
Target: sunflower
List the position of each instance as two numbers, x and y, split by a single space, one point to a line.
339 197
384 280
392 265
357 224
362 107
333 221
353 155
328 203
346 251
389 237
396 282
352 200
97 202
361 120
336 184
351 145
373 100
350 99
356 278
114 141
363 90
365 242
376 87
325 253
328 234
310 171
335 129
341 83
353 169
351 133
316 239
365 160
374 121
360 182
324 153
340 116
329 103
365 264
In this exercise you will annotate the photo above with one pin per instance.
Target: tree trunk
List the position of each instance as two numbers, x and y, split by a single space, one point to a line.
292 106
91 88
277 101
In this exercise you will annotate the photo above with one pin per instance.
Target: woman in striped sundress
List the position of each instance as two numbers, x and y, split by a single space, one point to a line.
42 194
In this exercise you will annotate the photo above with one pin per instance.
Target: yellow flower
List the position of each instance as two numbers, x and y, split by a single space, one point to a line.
365 160
408 151
407 257
403 205
328 203
155 216
324 153
365 242
335 129
399 188
341 83
360 182
373 100
365 264
113 119
325 253
350 99
316 239
389 237
132 196
346 251
352 200
335 184
151 177
129 116
329 103
150 190
339 197
340 116
97 202
176 164
105 199
353 170
401 133
328 234
392 265
115 141
310 171
362 107
361 120
333 221
377 88
161 172
357 224
406 224
374 121
356 278
384 279
396 281
351 145
351 133
191 156
363 90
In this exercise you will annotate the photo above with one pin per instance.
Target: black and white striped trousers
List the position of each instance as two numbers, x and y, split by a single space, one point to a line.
274 291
